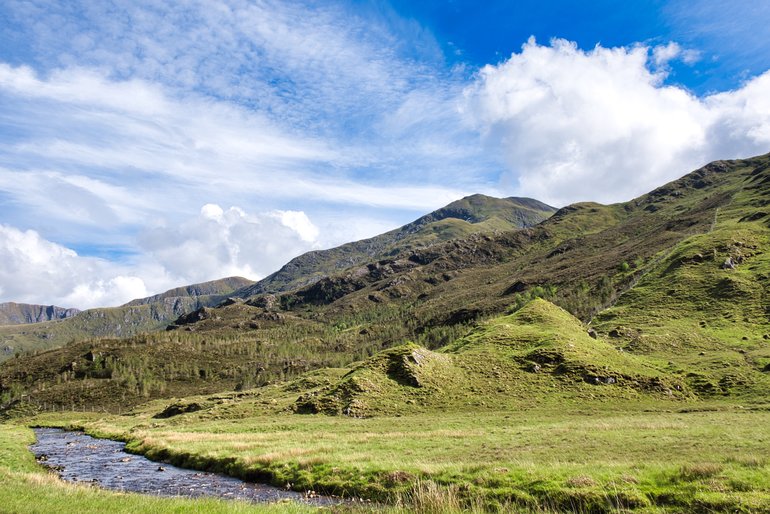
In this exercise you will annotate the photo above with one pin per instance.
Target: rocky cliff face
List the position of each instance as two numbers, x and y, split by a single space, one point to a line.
12 313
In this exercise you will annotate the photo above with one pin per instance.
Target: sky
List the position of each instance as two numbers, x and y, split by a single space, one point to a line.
147 144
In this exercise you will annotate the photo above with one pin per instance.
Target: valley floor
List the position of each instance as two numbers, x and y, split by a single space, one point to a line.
690 457
26 487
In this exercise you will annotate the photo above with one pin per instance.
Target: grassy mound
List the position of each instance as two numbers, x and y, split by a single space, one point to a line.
540 350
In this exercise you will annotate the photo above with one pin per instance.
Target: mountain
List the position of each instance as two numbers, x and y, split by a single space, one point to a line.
667 294
137 316
12 313
213 288
470 215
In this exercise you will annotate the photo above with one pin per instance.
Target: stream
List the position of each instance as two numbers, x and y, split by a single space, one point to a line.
77 457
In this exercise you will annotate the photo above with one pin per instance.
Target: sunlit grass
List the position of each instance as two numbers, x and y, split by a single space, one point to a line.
593 458
26 487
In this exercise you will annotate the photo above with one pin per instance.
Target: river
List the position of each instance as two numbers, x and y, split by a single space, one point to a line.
77 457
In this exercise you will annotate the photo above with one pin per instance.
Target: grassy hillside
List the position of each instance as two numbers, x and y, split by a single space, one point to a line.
526 413
133 318
622 262
539 352
611 358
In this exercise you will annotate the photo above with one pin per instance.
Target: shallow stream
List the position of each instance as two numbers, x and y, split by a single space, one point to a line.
77 457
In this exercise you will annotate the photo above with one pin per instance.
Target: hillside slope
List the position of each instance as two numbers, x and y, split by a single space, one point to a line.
539 351
461 218
677 277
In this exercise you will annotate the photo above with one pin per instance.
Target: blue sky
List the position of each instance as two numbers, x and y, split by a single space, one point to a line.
147 144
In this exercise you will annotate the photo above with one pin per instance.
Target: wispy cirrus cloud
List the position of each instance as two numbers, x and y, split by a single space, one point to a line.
192 147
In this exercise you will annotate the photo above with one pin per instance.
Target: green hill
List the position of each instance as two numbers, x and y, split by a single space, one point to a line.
611 358
539 351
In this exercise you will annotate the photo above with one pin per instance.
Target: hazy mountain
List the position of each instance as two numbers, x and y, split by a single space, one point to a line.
132 318
12 313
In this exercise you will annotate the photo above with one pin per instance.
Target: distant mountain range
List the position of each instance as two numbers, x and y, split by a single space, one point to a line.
474 214
12 313
132 318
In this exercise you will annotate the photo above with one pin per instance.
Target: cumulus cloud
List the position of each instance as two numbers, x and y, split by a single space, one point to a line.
601 124
740 123
215 244
662 55
219 243
122 118
35 270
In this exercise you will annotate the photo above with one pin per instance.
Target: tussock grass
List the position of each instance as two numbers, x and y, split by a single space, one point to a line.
700 471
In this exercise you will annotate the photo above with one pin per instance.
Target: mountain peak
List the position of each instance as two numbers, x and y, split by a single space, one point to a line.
212 287
461 218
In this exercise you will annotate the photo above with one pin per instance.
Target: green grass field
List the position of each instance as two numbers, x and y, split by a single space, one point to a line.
592 458
26 487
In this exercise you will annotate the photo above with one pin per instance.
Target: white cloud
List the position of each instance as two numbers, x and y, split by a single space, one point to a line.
600 125
35 270
663 54
300 223
217 243
221 243
130 115
129 159
741 119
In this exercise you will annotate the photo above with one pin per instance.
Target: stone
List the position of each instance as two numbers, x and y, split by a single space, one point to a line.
516 287
729 263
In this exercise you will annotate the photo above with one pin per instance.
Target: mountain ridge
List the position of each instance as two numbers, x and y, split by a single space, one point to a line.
635 274
12 313
460 217
143 314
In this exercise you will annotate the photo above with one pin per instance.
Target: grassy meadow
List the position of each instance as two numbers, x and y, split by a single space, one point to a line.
593 458
26 487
